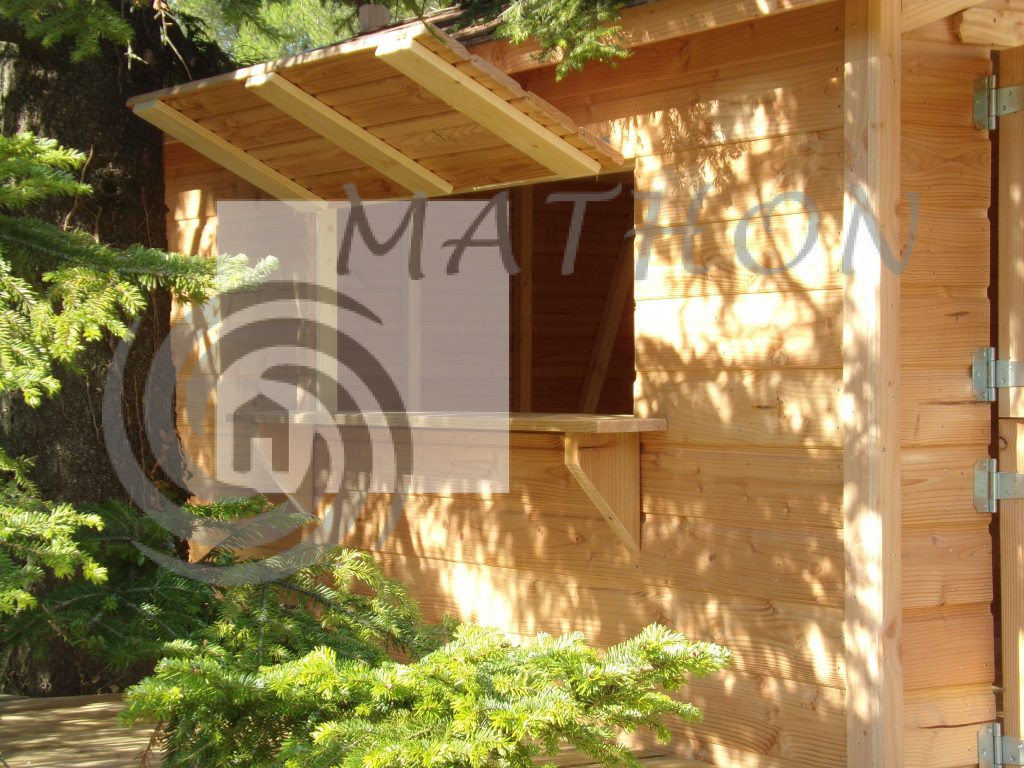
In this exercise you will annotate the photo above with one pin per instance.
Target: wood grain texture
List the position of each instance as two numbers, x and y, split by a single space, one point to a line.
871 503
938 493
945 315
362 45
940 646
608 471
942 724
465 95
353 138
771 78
947 568
761 563
213 146
759 487
796 97
321 129
950 707
763 722
802 645
741 497
747 331
583 423
1010 342
708 264
993 28
779 408
63 731
1010 345
918 13
938 408
70 731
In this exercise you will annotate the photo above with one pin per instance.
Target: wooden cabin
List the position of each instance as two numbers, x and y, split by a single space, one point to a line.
777 454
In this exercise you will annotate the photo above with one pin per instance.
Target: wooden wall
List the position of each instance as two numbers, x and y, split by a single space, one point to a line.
741 532
742 539
948 654
192 186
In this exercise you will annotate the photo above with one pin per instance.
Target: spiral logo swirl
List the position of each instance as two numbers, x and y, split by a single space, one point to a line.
266 370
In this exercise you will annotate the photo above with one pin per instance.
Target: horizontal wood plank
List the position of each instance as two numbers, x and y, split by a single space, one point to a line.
947 646
941 326
947 567
776 408
938 487
802 641
761 721
683 553
748 331
788 253
798 489
939 408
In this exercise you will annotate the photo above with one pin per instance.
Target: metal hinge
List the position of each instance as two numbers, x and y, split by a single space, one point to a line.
992 486
991 102
989 374
996 750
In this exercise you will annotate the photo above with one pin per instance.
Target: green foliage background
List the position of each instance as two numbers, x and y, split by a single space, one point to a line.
299 673
569 32
60 290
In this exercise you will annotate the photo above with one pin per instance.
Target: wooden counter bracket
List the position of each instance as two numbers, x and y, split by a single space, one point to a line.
601 451
607 468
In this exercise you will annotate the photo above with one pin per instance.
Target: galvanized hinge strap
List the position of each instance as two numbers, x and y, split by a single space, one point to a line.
992 486
989 374
990 102
996 750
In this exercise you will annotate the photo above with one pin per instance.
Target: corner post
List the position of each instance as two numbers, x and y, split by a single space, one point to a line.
870 397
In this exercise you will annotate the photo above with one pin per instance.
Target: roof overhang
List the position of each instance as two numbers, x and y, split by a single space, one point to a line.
395 112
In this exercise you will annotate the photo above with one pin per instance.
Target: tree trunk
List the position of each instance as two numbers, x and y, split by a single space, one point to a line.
82 105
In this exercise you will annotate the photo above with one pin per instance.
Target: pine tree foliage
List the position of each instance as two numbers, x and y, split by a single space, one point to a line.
210 689
251 32
84 22
59 290
123 619
569 32
480 701
37 536
295 674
